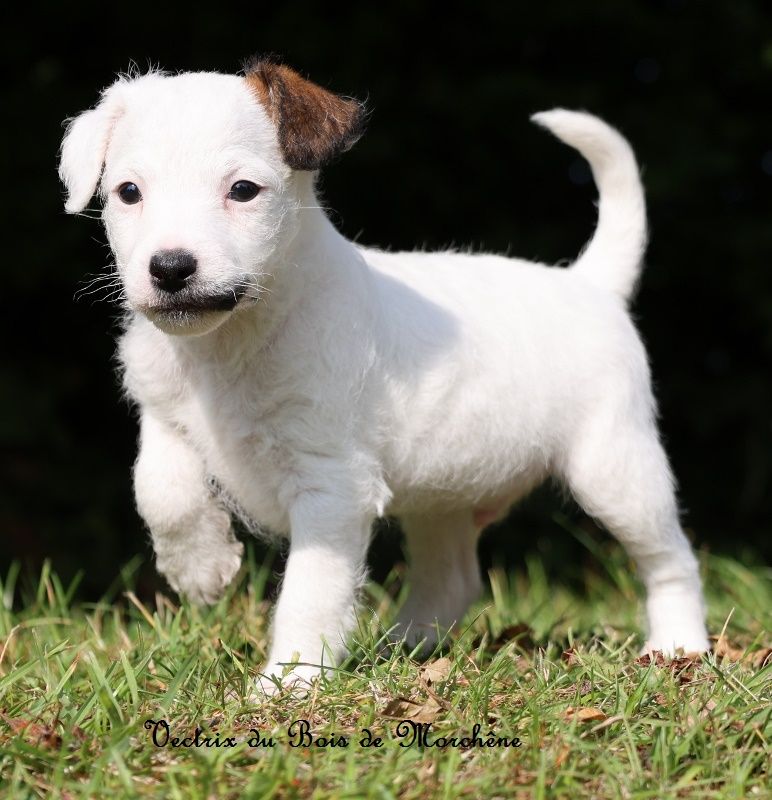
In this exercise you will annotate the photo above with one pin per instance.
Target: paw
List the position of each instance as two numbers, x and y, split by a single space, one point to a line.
670 643
677 621
422 635
200 566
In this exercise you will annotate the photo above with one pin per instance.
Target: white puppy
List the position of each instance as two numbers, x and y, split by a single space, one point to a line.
316 384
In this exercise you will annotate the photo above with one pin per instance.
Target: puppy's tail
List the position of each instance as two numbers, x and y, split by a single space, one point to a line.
612 258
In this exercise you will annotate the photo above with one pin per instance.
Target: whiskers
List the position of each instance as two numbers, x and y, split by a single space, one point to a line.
102 288
90 213
108 287
249 289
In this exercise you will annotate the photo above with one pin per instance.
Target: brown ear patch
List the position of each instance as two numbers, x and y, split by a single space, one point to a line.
314 125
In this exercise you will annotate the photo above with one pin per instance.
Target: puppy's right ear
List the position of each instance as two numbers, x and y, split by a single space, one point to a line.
84 147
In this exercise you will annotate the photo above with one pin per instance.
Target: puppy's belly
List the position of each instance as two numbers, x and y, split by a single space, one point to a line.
489 495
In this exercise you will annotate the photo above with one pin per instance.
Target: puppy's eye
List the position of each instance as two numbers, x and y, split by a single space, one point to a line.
129 193
243 191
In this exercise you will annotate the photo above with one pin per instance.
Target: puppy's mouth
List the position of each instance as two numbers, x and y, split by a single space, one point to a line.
180 305
193 311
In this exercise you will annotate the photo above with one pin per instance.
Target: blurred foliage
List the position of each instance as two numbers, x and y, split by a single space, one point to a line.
449 158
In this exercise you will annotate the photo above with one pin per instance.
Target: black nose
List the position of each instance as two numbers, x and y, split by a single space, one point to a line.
172 268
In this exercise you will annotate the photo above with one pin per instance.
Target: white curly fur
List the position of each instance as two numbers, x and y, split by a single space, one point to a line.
349 383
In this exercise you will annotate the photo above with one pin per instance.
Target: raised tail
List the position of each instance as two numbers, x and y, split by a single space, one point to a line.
612 258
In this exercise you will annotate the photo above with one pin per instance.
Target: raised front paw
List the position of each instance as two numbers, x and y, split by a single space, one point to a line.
200 565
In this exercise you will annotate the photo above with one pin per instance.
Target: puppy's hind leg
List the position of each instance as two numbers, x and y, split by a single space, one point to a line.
619 474
444 574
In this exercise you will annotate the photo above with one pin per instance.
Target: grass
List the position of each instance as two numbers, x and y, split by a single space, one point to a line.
556 667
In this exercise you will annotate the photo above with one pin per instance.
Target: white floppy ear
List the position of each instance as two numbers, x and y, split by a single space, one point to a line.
84 147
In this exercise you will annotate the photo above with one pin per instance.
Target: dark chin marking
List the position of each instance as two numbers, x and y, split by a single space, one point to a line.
177 319
197 304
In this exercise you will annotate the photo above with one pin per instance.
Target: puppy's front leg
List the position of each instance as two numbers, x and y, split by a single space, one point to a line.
316 608
194 545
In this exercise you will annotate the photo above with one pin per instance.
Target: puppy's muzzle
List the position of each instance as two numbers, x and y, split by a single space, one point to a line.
172 269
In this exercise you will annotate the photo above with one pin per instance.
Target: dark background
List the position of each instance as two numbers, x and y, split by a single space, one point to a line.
449 158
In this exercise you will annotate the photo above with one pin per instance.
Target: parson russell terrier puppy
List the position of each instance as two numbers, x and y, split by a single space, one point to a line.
312 384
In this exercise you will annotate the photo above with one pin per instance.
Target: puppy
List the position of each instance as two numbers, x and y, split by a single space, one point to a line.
320 384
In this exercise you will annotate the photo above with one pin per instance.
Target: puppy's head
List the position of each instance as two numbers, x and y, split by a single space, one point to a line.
204 178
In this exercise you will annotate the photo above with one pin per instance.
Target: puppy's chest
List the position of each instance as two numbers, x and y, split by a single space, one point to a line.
240 435
235 416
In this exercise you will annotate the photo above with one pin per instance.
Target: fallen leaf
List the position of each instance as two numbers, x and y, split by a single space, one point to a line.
725 650
682 667
404 708
34 733
16 724
585 714
436 671
763 657
647 659
608 722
